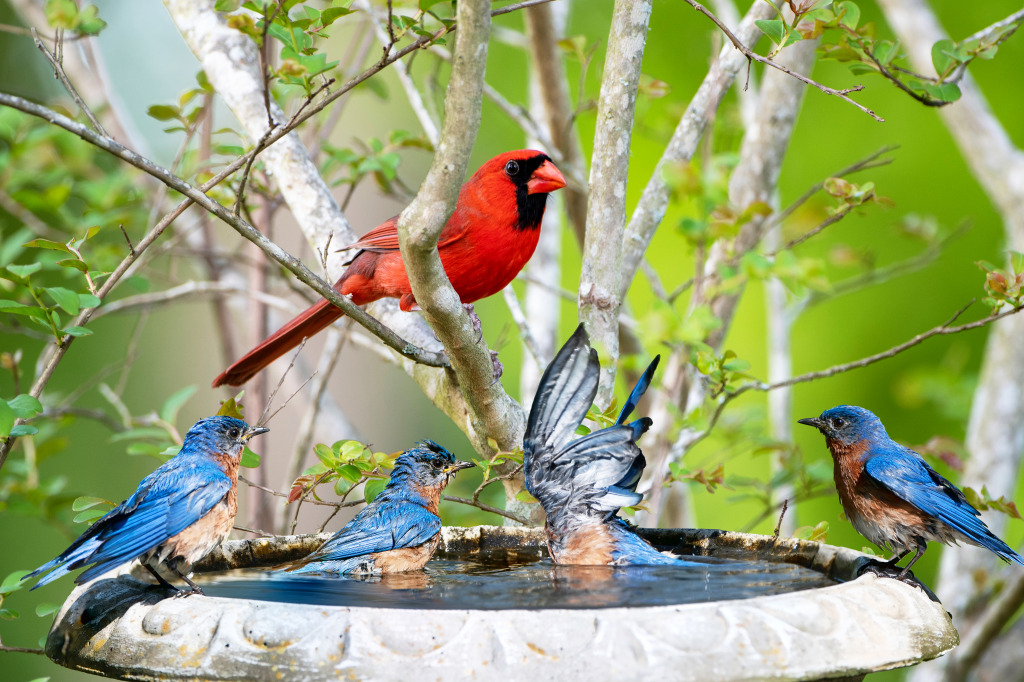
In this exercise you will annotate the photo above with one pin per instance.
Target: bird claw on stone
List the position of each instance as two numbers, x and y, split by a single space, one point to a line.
885 569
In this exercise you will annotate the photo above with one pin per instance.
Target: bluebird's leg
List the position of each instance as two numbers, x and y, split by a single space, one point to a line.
195 588
906 569
160 579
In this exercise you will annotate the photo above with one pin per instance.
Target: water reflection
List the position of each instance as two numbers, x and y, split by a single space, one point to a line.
491 583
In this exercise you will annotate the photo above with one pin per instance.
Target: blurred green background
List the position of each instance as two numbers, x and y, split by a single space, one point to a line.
918 394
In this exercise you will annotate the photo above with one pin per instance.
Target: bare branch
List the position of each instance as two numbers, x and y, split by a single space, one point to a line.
493 413
600 291
488 508
650 210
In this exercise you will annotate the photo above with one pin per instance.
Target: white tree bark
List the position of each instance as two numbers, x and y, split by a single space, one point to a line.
995 432
601 276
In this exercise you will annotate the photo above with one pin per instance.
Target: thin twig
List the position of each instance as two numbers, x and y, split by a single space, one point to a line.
21 650
58 72
782 515
750 54
291 363
261 533
941 330
487 508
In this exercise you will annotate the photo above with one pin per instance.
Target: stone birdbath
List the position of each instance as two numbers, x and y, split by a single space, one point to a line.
124 628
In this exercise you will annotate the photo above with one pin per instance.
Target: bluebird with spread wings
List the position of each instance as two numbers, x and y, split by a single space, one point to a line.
177 515
400 529
582 483
892 497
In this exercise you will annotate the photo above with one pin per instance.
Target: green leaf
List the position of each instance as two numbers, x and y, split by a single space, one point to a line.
941 58
46 244
65 298
73 263
163 112
373 488
227 5
773 28
250 460
324 454
77 331
350 473
89 22
173 404
25 271
88 301
25 406
24 430
85 502
6 419
61 13
229 408
89 515
332 14
45 609
13 582
8 614
850 14
944 92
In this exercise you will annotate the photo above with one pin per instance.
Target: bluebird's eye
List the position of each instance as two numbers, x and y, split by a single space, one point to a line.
838 422
234 433
511 169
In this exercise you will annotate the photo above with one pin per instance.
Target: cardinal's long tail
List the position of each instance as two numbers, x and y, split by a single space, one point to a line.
280 342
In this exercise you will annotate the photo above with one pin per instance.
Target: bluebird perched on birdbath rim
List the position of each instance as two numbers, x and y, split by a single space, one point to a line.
892 497
177 515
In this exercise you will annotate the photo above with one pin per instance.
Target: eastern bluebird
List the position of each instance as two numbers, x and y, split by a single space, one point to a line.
177 515
890 494
400 529
582 483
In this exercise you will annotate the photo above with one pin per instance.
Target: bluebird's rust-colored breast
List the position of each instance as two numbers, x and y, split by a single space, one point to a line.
591 545
406 558
866 502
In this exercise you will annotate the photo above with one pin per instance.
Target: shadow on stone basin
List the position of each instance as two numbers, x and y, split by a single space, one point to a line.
120 627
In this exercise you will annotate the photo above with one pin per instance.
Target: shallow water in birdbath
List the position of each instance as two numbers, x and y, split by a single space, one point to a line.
491 583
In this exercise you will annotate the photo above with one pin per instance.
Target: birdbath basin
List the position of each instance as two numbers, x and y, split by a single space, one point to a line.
835 625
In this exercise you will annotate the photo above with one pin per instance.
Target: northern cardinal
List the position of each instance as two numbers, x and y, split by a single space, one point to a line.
483 246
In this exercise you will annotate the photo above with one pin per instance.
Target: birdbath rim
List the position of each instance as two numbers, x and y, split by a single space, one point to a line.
121 629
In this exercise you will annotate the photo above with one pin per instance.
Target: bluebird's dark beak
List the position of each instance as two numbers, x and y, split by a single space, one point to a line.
253 431
816 422
459 464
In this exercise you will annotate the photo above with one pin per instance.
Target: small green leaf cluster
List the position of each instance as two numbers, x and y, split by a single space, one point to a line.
346 464
66 15
374 158
984 501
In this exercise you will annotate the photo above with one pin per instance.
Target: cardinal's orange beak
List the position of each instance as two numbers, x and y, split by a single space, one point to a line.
545 179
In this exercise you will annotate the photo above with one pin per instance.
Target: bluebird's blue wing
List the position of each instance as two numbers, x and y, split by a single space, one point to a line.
907 475
378 528
638 391
167 502
566 392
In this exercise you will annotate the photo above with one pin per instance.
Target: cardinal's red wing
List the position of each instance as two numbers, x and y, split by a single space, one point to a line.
384 237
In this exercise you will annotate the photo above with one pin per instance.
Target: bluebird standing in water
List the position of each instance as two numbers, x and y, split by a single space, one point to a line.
177 515
582 483
890 494
400 529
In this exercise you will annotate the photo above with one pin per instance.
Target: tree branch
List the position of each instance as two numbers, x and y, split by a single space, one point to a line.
651 208
601 273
